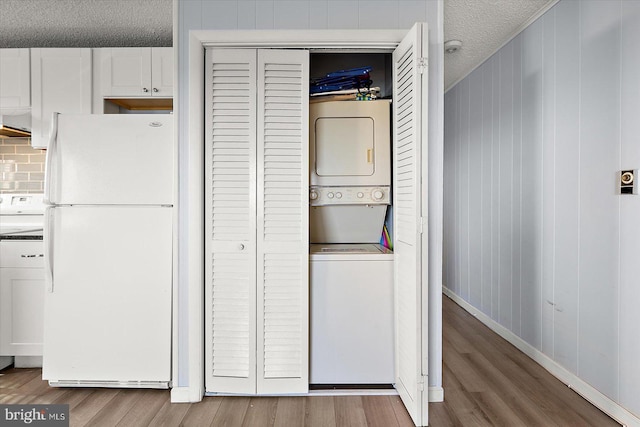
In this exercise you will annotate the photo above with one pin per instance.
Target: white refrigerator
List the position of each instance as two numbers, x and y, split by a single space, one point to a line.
108 237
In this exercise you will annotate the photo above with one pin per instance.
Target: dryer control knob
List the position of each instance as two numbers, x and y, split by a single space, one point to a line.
339 195
330 195
360 195
313 195
377 194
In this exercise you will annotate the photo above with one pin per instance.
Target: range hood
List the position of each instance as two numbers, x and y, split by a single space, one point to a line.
15 125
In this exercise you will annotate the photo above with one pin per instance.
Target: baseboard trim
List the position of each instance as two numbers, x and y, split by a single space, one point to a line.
604 403
436 394
185 395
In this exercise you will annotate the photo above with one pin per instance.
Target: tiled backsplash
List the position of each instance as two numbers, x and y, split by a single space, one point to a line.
21 167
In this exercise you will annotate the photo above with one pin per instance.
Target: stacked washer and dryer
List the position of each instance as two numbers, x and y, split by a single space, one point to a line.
351 274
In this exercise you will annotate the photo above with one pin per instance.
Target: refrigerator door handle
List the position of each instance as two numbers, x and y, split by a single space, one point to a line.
48 247
50 160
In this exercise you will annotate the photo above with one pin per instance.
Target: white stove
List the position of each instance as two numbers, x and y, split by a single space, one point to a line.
22 280
21 216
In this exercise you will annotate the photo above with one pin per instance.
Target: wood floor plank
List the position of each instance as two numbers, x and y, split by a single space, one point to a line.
467 412
439 415
320 412
202 413
402 416
145 408
35 386
46 397
13 379
73 397
456 339
530 387
378 411
261 412
88 408
170 414
459 364
116 408
231 411
349 411
496 410
290 411
11 399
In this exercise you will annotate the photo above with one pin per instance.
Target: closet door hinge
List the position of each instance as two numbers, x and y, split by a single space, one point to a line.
422 381
423 63
421 224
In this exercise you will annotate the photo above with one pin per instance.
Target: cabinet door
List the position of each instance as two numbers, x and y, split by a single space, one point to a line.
230 242
125 71
21 311
283 221
410 241
162 71
14 79
61 82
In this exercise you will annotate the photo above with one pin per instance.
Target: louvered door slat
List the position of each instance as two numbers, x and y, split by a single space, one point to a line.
230 225
410 100
282 221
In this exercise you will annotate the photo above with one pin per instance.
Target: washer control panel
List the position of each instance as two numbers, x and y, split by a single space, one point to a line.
322 196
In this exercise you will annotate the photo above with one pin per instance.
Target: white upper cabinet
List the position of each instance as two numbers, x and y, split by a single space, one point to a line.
61 82
15 92
134 72
162 71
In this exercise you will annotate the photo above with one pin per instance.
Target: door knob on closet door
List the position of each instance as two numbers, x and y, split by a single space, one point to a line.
145 90
241 246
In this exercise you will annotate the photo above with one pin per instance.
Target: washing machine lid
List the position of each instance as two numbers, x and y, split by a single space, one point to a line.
350 251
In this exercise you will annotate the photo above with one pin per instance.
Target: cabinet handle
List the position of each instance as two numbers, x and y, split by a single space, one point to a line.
145 90
155 89
241 246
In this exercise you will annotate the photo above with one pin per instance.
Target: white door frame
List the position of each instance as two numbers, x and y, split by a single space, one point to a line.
328 40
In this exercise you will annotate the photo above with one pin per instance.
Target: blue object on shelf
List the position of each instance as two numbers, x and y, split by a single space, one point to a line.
354 78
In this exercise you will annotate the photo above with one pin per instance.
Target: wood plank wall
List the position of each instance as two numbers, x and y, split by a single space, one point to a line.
537 235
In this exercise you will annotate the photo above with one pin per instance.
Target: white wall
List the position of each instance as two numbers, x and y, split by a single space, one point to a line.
317 14
536 236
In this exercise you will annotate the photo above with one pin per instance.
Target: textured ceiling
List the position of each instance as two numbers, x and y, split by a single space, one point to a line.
482 25
85 23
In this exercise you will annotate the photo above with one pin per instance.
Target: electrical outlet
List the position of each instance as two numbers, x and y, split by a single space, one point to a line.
628 181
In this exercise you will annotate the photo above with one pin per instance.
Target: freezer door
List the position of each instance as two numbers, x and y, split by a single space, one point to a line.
111 159
108 308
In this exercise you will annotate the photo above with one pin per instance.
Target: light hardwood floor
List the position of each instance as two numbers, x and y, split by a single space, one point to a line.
487 382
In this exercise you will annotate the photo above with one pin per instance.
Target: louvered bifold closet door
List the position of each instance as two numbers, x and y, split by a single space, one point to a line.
230 221
409 149
283 242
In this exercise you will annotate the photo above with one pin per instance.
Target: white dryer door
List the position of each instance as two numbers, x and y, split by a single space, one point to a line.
344 146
